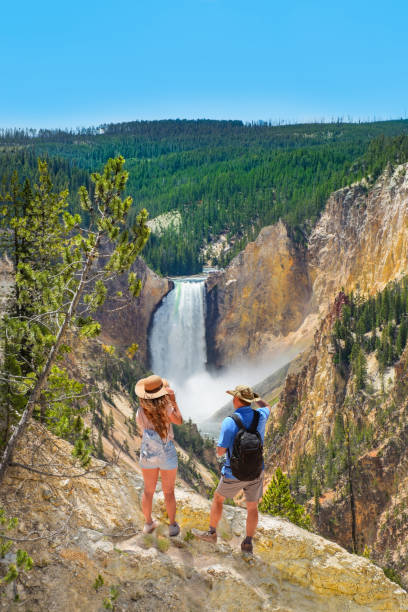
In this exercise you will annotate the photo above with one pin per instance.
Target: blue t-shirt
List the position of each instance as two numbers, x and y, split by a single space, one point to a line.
229 430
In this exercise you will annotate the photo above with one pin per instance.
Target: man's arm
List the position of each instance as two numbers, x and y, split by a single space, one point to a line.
261 404
226 437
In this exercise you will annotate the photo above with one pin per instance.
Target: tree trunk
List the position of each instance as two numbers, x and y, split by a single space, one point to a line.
42 380
352 500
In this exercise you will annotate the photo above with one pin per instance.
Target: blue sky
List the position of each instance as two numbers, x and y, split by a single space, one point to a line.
85 63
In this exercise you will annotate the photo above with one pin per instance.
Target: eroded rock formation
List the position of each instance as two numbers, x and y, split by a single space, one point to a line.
122 327
264 293
304 421
271 293
361 239
311 396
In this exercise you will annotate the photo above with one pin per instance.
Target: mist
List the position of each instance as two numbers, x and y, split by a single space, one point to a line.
178 351
202 394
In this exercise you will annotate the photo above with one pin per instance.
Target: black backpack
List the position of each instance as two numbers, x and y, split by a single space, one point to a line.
246 459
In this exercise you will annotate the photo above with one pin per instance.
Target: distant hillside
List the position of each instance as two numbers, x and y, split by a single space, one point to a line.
223 177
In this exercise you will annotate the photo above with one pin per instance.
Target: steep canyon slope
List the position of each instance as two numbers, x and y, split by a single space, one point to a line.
345 448
361 239
264 294
270 296
125 325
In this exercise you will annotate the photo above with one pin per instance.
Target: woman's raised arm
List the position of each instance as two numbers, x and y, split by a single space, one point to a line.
175 416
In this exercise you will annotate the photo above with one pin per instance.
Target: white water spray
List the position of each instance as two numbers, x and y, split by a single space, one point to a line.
177 339
178 353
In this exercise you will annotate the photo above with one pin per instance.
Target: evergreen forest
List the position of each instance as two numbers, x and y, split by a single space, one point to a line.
224 178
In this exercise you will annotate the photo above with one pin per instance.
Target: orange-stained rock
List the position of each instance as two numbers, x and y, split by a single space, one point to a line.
269 296
361 239
123 327
263 293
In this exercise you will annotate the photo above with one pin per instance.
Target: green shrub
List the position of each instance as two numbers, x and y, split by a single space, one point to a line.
278 501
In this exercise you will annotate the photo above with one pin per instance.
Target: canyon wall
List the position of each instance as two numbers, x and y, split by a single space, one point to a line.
361 239
359 244
272 293
303 424
124 326
263 294
310 397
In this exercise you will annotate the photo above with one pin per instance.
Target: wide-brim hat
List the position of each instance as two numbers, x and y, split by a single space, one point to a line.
151 387
244 393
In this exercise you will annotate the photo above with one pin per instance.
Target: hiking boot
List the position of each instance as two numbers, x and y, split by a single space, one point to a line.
174 529
150 527
247 546
206 536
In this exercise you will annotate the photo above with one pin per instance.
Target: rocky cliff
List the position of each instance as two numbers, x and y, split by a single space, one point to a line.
360 243
124 326
345 450
310 397
361 239
263 294
271 293
85 534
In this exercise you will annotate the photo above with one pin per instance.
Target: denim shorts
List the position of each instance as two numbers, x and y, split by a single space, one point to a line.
156 453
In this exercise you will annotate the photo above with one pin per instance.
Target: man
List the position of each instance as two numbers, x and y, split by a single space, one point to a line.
229 485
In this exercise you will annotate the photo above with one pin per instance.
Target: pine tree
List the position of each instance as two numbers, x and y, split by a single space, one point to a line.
350 445
76 286
34 216
401 337
359 365
278 501
22 562
99 446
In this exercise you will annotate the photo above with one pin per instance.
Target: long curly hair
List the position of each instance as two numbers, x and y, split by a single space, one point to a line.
156 412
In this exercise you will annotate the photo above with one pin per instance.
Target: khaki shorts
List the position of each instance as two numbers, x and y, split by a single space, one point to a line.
253 489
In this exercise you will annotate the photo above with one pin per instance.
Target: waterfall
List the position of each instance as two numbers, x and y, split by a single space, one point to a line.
177 337
178 352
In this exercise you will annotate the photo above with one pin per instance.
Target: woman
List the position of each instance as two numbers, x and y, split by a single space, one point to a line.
158 410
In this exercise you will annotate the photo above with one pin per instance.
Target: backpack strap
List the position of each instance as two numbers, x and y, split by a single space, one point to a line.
255 421
237 421
239 424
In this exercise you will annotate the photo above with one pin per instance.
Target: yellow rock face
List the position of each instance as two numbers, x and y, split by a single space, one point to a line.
264 292
96 524
361 240
270 294
130 324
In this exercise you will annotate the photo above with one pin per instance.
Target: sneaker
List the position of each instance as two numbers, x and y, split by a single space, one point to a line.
207 536
174 529
247 546
150 527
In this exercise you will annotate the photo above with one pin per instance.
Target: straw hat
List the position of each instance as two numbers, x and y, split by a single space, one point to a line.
244 393
151 387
